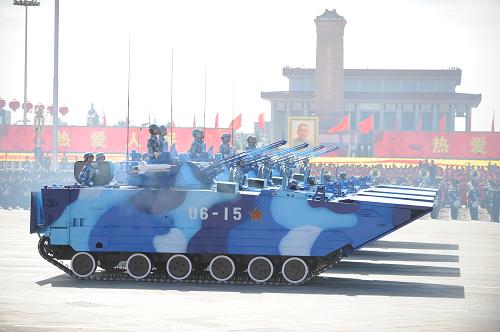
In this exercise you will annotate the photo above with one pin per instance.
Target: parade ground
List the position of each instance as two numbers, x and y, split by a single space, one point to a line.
432 275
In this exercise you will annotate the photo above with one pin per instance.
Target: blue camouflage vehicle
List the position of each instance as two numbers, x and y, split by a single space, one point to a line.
194 228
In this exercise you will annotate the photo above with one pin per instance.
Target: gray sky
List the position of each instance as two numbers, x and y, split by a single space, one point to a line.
245 42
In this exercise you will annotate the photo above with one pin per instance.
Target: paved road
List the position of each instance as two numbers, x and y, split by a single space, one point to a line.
429 276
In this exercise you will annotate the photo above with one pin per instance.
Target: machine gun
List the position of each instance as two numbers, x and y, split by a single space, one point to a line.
216 167
316 153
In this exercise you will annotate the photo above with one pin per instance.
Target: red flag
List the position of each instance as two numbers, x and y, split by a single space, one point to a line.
342 126
217 120
104 122
235 123
442 123
493 122
367 125
194 121
261 121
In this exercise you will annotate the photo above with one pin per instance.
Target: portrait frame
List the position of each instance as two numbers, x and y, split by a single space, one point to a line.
293 124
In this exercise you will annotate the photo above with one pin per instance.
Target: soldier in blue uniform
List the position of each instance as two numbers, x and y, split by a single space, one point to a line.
305 168
473 201
88 172
198 147
225 149
251 143
238 175
163 142
153 142
266 172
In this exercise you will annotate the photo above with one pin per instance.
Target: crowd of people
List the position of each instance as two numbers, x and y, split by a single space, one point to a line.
459 186
16 185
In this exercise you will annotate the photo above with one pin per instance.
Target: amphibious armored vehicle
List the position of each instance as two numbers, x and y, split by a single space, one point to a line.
192 227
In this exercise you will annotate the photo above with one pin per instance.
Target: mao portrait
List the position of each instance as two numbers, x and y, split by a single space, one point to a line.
302 130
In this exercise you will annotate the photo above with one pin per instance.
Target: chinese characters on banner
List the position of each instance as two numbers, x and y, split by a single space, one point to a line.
96 139
460 145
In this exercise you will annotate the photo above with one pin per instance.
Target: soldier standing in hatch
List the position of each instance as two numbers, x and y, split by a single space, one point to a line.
198 147
153 142
163 141
88 172
225 148
251 143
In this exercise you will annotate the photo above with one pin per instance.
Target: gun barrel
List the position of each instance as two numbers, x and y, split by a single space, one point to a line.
244 154
318 153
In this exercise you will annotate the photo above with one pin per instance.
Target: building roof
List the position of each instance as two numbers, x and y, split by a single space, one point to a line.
353 96
452 73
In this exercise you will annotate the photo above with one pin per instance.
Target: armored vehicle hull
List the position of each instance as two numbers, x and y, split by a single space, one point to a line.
204 235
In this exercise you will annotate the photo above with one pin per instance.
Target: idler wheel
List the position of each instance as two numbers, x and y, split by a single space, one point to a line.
221 268
83 264
179 267
294 270
260 269
138 266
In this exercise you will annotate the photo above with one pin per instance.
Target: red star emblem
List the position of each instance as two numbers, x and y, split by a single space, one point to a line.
256 215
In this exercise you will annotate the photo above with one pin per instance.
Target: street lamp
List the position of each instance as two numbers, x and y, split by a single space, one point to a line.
26 4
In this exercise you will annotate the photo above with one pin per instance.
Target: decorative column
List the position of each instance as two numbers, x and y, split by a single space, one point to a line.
329 74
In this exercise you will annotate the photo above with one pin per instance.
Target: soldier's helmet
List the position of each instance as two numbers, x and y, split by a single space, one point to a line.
252 139
153 129
225 137
162 130
88 155
100 156
197 133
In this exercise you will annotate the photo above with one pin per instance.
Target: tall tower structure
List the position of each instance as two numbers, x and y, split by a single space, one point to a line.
329 74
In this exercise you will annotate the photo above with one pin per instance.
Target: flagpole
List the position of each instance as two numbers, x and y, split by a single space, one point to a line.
128 97
350 138
205 101
232 119
171 100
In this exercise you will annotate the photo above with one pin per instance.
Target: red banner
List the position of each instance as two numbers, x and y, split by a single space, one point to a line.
98 139
439 145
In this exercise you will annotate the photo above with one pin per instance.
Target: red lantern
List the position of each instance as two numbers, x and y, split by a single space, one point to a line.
27 106
14 105
50 108
63 110
2 103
